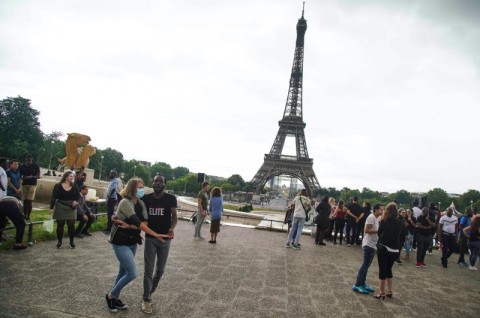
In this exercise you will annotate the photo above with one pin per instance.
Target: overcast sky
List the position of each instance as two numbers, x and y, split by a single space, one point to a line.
391 88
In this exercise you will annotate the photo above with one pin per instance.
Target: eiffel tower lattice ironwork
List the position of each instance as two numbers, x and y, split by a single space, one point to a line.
299 166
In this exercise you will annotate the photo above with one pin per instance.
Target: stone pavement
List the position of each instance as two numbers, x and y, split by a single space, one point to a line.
248 273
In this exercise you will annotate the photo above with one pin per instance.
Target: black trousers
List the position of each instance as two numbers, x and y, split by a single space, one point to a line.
422 244
463 248
339 226
110 210
10 210
448 244
352 231
83 226
385 264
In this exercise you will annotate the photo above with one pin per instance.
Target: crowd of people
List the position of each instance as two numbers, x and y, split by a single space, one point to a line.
386 231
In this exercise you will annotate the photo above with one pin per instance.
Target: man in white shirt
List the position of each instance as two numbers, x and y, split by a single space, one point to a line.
302 206
447 229
369 246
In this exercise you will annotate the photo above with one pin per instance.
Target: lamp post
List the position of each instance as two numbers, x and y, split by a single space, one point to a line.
51 152
134 170
439 205
100 174
471 204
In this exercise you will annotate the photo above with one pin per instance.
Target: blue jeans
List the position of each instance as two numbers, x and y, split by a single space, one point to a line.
368 255
128 269
297 224
408 243
474 252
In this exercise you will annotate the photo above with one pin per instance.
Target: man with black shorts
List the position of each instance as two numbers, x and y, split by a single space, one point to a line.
162 218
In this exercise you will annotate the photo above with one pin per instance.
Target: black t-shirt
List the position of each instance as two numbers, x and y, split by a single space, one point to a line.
355 208
27 171
160 212
423 221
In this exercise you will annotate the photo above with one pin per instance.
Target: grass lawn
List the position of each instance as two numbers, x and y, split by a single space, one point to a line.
40 235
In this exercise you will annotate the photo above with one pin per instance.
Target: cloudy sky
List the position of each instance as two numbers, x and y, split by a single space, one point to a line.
391 88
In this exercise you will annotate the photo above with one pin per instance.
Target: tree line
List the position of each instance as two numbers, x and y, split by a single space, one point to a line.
20 134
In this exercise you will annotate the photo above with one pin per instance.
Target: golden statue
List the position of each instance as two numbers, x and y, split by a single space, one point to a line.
78 150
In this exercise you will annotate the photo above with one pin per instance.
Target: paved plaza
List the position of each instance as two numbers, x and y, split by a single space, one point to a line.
248 273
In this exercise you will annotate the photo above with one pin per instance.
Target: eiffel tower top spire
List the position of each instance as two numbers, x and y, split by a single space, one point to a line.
293 108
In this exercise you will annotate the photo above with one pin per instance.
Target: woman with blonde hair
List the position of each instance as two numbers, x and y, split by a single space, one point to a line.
389 231
128 222
63 206
331 217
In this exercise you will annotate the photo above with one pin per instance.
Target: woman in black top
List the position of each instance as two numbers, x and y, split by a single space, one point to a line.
389 231
63 206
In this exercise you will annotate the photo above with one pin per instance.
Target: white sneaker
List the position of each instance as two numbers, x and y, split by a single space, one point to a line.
147 307
472 268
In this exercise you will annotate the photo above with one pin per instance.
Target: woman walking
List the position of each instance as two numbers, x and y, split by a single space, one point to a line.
389 231
63 206
128 222
411 224
472 233
216 210
340 212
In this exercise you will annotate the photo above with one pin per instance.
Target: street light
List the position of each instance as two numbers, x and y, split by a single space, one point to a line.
51 152
471 204
439 206
101 166
134 170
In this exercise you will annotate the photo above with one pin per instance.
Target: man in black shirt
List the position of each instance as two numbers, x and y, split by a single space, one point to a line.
162 218
30 173
424 236
354 215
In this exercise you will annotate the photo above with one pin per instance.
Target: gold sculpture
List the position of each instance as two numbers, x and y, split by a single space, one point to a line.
78 151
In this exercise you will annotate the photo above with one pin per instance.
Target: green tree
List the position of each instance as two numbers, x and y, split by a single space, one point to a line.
403 197
20 132
471 197
162 168
237 181
179 172
368 194
438 195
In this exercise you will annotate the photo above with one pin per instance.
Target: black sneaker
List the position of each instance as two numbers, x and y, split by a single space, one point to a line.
87 233
79 235
398 262
72 245
120 305
59 245
111 304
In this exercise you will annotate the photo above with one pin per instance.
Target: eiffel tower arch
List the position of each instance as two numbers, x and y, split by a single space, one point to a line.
292 124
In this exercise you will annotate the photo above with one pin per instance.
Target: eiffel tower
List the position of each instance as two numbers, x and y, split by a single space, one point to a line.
299 166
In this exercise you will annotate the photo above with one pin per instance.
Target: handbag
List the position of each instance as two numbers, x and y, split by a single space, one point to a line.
121 237
48 225
306 212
